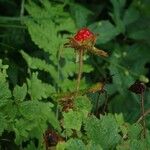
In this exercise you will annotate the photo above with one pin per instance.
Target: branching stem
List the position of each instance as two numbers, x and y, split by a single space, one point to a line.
145 114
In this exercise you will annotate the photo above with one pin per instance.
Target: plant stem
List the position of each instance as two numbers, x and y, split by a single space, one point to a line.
142 114
97 104
22 8
80 69
106 101
145 114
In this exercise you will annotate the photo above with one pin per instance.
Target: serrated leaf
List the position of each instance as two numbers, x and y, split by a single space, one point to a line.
5 93
83 104
103 132
119 118
139 30
20 92
75 144
137 145
134 131
72 120
36 63
39 111
71 144
131 15
22 127
80 14
106 31
3 123
37 89
117 14
92 146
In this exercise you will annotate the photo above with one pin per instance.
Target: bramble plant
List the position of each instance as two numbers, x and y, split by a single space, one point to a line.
47 102
84 40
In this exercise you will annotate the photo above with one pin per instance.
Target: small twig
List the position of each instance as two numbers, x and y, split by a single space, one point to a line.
80 69
145 114
142 114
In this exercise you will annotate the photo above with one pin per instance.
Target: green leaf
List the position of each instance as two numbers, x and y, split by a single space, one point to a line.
37 89
80 14
92 146
140 34
139 30
131 15
71 144
117 14
106 31
72 120
83 104
134 131
31 146
36 63
22 127
75 144
35 110
5 93
103 132
20 92
136 58
137 145
3 123
119 118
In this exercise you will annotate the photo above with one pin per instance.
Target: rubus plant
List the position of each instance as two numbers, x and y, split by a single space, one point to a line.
84 40
42 106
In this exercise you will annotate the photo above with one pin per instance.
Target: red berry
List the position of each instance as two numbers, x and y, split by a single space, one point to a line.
83 35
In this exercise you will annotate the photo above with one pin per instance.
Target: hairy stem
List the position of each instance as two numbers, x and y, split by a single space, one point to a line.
80 69
142 114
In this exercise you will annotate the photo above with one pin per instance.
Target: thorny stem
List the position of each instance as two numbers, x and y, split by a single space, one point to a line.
80 69
142 114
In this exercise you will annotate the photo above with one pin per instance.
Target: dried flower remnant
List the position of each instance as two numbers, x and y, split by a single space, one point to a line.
138 87
51 138
67 105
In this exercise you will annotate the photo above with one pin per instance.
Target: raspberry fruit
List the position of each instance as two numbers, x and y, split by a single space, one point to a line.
83 35
85 40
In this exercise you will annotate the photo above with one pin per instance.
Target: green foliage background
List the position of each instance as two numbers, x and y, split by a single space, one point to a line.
35 68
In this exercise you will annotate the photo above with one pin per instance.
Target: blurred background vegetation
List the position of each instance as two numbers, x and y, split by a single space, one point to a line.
32 34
